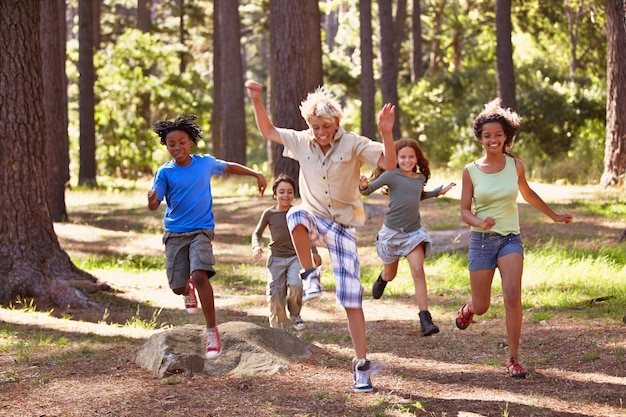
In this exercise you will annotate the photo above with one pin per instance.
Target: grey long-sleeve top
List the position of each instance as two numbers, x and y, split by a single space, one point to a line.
405 195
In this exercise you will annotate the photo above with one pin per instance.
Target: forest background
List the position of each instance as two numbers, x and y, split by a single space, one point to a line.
149 71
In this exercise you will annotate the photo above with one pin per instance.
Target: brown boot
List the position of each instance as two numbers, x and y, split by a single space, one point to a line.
426 324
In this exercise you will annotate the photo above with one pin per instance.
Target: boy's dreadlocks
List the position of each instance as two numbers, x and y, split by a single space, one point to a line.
186 123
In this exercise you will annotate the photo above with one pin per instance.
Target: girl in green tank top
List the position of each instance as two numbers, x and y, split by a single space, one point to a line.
489 206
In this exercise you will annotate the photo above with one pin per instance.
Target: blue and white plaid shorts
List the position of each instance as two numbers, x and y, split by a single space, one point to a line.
340 241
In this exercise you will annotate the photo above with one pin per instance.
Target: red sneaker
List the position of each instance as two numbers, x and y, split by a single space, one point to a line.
213 343
516 370
191 302
464 317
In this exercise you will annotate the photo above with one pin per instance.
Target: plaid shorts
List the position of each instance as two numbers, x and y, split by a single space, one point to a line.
340 241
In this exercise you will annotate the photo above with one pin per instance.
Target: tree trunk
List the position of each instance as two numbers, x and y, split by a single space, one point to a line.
417 69
216 116
55 105
231 100
296 70
144 24
366 82
86 99
391 34
504 54
32 263
615 147
435 43
144 15
181 34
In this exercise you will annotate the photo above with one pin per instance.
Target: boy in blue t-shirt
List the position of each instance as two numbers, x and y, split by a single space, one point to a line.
185 183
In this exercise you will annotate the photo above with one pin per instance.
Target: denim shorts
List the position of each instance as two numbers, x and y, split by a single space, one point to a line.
486 248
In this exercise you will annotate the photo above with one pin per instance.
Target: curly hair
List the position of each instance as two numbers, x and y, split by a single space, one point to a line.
185 122
422 161
321 103
495 113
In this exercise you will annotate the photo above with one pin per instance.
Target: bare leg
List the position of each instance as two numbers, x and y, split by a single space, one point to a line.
356 325
480 298
390 271
416 262
205 293
302 245
511 267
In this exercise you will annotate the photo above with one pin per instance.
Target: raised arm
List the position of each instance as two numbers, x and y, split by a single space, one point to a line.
386 119
263 122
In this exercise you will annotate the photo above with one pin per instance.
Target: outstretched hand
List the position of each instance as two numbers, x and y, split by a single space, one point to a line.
262 184
387 117
447 188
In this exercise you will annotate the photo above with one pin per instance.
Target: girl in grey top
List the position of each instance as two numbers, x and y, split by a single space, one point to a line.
402 234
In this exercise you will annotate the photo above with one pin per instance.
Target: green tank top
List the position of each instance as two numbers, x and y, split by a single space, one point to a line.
495 195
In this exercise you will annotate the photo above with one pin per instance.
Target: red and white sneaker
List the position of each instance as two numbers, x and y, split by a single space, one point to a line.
213 343
191 302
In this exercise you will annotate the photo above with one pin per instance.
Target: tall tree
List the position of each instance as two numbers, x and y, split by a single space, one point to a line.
144 24
615 147
86 96
296 70
504 54
216 116
144 12
232 124
366 81
391 35
52 27
417 70
32 263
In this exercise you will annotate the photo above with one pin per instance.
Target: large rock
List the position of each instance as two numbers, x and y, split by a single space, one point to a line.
247 349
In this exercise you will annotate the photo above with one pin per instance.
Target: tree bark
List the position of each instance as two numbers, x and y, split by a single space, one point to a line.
144 15
52 26
391 33
366 82
504 54
417 69
615 146
296 70
86 96
216 116
231 101
32 263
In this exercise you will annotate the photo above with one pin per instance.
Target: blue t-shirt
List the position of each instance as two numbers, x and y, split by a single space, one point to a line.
187 192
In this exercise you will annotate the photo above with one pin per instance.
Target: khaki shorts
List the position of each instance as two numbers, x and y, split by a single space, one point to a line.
188 252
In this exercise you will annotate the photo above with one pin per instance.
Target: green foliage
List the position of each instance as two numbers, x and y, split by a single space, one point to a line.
560 88
140 68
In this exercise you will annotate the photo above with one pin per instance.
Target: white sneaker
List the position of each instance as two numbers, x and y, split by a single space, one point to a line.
311 285
298 323
213 343
361 370
191 302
